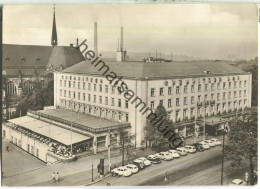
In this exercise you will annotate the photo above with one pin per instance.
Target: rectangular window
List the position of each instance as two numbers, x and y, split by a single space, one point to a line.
106 88
89 97
89 86
169 103
100 88
119 103
126 104
229 95
112 101
69 94
84 86
185 100
84 96
161 102
177 90
244 83
224 85
185 89
244 93
106 101
126 117
100 99
240 93
199 88
169 90
161 91
212 86
192 100
95 99
229 85
113 90
120 117
205 98
60 83
224 96
177 102
95 87
192 88
78 96
74 84
218 96
206 87
240 83
235 84
65 84
235 94
199 98
74 95
78 85
152 92
218 86
152 105
212 96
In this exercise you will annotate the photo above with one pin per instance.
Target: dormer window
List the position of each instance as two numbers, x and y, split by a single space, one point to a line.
7 59
38 59
23 58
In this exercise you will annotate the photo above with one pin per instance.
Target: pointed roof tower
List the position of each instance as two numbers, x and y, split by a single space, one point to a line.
54 38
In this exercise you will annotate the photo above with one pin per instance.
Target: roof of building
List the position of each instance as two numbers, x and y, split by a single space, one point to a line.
64 57
155 69
89 121
24 72
49 130
25 55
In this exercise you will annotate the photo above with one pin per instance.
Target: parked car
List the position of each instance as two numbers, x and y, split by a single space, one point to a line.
216 141
133 168
146 161
237 182
139 163
199 148
190 149
210 143
204 145
182 151
122 171
153 159
174 153
164 156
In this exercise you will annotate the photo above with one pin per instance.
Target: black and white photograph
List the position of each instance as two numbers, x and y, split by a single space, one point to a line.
137 94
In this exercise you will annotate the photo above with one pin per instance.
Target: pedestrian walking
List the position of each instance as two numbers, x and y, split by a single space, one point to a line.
57 176
53 176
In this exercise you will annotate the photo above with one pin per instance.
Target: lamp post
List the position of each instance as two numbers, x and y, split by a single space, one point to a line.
246 178
223 148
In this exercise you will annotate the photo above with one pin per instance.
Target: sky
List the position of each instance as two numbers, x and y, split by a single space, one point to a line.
212 31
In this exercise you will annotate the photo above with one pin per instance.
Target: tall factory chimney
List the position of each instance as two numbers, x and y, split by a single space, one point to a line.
95 39
121 53
122 39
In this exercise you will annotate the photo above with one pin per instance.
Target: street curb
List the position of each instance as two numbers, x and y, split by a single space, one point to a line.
89 184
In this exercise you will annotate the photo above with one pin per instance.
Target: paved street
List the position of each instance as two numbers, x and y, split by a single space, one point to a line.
79 172
157 171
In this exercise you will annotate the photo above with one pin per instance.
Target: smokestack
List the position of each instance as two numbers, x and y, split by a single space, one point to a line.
122 39
95 38
77 42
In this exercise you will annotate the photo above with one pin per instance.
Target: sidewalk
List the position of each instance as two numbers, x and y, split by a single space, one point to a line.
72 174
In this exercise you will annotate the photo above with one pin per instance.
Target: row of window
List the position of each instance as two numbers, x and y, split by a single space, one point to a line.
82 78
184 102
107 114
95 99
199 89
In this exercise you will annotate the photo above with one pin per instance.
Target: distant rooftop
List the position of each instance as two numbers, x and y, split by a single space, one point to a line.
156 69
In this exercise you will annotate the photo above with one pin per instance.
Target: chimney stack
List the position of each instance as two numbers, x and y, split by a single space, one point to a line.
95 38
122 39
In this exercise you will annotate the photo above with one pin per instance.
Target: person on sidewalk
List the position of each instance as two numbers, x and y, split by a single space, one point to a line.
53 176
57 176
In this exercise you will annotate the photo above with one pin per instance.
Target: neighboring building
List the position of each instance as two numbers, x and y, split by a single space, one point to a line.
24 64
186 89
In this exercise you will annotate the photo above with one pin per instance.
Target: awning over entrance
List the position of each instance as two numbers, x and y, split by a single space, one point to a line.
48 130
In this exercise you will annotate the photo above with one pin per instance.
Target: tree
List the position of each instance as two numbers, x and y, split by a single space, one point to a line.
125 141
242 141
154 132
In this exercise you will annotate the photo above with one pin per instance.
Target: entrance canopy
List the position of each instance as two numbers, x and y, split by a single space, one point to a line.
49 130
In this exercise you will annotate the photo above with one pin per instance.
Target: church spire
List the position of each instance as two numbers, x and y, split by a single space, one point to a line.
54 38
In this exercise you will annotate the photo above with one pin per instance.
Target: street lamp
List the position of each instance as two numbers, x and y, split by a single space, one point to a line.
246 178
223 148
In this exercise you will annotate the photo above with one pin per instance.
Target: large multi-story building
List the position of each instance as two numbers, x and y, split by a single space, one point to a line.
186 89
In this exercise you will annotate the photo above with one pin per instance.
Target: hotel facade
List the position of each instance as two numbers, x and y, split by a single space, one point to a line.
188 91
